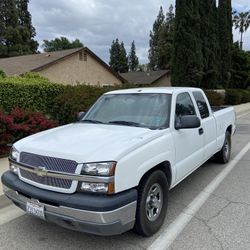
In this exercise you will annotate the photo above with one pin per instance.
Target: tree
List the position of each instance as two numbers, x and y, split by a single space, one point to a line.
161 40
61 43
187 63
133 59
28 32
209 42
164 49
154 39
8 24
225 37
240 68
16 31
114 55
241 22
143 68
118 57
123 59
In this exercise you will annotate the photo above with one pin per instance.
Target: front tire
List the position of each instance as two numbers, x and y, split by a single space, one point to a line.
152 203
223 156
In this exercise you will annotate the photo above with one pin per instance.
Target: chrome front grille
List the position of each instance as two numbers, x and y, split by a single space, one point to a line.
50 163
48 181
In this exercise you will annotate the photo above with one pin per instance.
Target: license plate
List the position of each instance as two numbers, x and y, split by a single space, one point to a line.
35 210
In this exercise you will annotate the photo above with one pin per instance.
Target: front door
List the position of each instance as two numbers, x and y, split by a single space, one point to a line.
189 143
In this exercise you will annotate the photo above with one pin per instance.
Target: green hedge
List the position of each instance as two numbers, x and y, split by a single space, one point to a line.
237 96
245 95
62 103
74 99
78 98
35 93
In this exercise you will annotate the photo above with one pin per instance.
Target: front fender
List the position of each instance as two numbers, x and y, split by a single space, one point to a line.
131 168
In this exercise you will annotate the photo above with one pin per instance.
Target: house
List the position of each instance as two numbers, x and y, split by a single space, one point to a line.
71 66
155 78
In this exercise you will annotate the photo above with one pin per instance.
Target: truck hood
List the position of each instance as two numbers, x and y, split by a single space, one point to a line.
87 142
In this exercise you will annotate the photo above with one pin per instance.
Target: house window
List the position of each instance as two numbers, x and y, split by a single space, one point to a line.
83 56
80 56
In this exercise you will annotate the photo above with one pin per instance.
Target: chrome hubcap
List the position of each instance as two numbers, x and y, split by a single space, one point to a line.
154 202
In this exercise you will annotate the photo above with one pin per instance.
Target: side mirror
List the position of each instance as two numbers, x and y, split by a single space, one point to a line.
187 122
80 115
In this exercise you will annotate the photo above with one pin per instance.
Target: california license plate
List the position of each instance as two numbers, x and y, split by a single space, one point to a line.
35 210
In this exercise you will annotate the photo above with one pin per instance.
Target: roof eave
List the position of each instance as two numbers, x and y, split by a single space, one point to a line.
44 66
160 77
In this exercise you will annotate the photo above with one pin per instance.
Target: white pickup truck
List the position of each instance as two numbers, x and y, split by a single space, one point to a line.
112 170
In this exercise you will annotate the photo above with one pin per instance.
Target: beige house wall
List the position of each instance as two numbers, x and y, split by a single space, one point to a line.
163 82
74 71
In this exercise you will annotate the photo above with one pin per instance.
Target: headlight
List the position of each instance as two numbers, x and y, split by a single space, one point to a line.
99 168
13 169
14 154
94 187
103 188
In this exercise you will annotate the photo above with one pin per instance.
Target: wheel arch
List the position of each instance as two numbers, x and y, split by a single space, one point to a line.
230 129
165 167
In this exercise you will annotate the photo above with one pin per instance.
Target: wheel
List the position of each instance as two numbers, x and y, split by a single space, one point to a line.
152 203
223 156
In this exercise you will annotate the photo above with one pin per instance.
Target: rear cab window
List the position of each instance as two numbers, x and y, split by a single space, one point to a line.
202 104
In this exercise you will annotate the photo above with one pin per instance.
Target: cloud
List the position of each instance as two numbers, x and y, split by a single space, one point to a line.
97 22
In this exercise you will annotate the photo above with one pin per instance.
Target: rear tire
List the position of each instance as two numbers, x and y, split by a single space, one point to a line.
223 156
152 203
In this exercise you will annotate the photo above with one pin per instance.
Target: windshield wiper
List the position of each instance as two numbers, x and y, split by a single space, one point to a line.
136 124
92 121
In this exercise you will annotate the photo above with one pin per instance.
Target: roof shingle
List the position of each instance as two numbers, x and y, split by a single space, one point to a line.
21 64
144 77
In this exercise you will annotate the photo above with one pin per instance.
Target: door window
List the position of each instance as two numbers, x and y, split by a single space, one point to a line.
184 105
201 103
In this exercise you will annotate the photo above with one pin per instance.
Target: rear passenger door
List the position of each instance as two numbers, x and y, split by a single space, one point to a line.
207 123
188 142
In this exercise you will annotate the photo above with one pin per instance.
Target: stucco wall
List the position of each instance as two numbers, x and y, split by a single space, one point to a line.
73 71
163 82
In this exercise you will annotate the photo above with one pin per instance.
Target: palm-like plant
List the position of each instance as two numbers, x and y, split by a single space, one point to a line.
242 22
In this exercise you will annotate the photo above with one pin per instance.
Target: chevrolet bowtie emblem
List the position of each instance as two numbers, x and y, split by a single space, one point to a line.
41 171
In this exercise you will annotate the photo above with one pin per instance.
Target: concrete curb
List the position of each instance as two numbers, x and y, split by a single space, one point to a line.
239 109
4 201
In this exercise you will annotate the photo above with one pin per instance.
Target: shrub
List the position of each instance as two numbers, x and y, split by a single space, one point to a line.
36 76
35 93
2 74
245 95
75 99
214 98
240 72
21 123
233 97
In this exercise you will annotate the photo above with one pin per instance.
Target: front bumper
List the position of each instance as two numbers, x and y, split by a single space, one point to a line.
96 214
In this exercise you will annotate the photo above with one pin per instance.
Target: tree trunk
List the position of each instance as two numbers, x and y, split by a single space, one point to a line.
241 42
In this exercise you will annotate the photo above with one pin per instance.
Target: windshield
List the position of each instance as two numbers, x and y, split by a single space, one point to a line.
140 110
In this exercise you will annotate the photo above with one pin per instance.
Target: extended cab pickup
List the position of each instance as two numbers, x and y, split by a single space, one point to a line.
112 170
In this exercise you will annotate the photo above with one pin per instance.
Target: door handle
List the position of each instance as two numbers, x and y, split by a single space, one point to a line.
201 131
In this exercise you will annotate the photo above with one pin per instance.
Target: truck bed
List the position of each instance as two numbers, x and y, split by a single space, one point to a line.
218 108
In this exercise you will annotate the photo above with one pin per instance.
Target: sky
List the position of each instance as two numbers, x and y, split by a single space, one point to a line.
98 22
